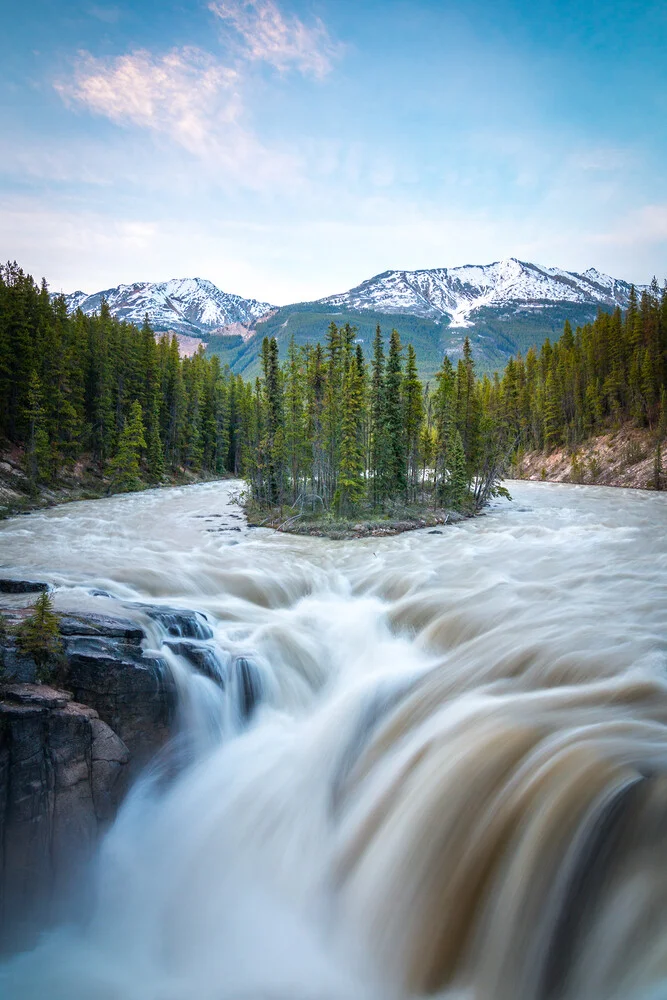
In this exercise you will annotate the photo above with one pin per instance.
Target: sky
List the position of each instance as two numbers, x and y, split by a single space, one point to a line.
290 149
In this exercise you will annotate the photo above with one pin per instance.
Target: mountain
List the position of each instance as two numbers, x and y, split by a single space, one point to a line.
458 293
191 306
503 307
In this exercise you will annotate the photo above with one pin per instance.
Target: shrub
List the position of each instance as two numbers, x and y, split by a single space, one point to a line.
576 469
633 453
594 468
39 637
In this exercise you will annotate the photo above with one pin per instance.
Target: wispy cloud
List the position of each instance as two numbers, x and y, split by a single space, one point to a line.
181 93
186 95
282 41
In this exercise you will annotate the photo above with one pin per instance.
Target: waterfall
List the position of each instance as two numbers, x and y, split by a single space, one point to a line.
413 766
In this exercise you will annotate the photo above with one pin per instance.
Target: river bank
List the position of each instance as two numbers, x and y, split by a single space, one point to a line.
624 457
83 480
328 525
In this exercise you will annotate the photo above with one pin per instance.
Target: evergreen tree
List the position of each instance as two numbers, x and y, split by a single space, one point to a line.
396 449
38 636
124 468
38 452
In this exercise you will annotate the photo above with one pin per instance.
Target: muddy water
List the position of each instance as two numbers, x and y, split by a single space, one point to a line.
455 782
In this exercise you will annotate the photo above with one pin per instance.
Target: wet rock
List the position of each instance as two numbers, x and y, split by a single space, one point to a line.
237 674
22 586
436 531
104 626
248 681
61 777
131 690
179 622
203 658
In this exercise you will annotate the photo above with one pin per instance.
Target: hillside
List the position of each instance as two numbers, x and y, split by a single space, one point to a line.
624 457
503 307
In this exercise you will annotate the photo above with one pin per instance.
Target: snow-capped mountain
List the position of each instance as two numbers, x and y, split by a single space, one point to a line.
458 292
191 306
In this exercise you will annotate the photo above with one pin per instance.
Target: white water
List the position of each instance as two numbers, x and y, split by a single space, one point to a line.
456 784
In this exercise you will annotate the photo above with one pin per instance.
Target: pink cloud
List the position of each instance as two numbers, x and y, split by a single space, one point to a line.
283 42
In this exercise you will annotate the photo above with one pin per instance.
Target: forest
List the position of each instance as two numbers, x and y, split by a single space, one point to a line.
327 429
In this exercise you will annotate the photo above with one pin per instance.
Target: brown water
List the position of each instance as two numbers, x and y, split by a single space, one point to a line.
456 783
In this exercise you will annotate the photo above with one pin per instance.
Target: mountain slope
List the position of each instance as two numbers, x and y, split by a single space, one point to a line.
191 306
503 307
458 293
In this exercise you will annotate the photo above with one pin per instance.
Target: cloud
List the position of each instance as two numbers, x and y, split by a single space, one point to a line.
180 93
186 95
281 41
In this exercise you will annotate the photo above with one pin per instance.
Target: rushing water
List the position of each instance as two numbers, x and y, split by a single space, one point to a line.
456 782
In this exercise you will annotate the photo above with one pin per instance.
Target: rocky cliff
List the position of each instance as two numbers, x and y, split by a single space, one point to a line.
67 752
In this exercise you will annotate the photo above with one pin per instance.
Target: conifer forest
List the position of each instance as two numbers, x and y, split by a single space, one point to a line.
330 427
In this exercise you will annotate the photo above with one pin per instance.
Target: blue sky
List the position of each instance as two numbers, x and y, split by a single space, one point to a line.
288 149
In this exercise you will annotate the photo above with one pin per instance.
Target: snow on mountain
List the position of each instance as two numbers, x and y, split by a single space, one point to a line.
191 306
458 292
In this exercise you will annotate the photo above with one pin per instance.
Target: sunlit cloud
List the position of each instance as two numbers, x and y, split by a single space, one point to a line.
182 93
186 95
283 42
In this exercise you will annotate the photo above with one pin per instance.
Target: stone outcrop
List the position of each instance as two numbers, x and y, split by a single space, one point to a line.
62 775
68 750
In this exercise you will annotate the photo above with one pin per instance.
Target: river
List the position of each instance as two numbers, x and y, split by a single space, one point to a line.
456 780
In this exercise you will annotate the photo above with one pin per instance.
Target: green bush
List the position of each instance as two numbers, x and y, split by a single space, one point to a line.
594 468
39 637
633 453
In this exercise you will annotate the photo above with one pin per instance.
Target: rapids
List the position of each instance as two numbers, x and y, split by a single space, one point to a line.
455 782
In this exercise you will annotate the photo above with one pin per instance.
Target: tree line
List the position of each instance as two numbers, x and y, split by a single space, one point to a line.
606 373
74 386
329 426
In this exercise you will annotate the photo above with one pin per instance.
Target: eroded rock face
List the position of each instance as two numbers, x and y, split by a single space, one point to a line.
67 753
62 774
130 689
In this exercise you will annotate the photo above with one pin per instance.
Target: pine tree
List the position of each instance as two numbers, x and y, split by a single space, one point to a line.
413 407
38 636
124 468
38 452
396 450
351 485
379 430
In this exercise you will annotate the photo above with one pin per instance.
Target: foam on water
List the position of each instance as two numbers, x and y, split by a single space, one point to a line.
455 780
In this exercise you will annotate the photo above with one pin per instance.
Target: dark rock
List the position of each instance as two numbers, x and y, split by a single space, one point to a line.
22 587
103 626
132 691
248 683
61 776
203 658
179 622
238 675
15 665
436 531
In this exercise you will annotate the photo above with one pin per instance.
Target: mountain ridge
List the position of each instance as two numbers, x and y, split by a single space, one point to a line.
504 307
458 292
196 306
190 306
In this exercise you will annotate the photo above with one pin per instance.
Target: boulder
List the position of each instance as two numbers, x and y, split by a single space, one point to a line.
8 586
